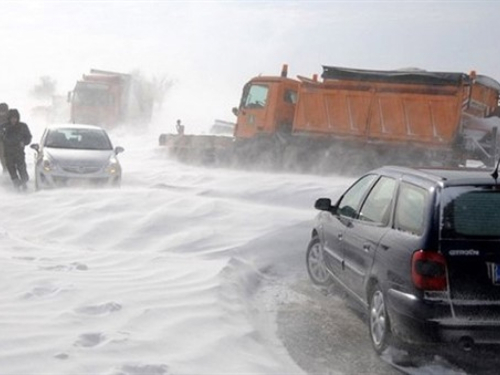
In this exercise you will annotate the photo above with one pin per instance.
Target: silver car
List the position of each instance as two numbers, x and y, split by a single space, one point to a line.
76 155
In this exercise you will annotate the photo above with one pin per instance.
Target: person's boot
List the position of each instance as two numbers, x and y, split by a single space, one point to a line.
17 183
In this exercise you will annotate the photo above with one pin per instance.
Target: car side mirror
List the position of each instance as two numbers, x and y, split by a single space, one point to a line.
119 149
235 111
323 204
35 147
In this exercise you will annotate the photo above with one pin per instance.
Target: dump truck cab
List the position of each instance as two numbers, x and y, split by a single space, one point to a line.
96 100
267 106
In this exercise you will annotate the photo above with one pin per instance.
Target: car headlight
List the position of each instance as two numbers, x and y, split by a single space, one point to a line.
113 166
48 165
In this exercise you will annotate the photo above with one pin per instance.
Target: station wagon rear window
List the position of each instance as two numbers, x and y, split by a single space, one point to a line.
471 212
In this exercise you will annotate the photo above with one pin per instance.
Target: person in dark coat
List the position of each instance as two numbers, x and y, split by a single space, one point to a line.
4 110
16 135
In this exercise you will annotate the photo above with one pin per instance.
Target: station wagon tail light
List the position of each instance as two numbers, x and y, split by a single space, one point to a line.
428 270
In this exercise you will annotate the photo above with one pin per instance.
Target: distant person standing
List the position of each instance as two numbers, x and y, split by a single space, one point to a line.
4 109
179 127
16 135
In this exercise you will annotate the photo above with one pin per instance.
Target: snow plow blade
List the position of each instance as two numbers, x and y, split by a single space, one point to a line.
198 149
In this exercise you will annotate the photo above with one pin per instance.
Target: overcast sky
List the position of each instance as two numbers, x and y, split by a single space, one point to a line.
211 48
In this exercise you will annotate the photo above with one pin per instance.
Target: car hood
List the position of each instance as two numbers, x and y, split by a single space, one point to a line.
72 157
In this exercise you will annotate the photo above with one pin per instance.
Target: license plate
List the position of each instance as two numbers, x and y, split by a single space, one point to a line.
494 273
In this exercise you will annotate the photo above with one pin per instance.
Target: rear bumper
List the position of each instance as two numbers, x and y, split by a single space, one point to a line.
479 333
417 321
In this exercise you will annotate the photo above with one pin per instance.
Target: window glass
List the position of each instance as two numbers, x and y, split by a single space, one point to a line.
410 210
91 95
471 211
351 201
290 96
256 97
88 139
377 206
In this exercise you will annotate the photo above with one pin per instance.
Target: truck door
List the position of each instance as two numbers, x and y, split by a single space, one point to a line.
363 236
254 112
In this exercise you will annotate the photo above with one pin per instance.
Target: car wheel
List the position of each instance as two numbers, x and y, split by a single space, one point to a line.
117 183
380 327
315 263
37 184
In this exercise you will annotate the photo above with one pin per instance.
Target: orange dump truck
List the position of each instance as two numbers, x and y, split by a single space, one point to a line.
109 99
354 119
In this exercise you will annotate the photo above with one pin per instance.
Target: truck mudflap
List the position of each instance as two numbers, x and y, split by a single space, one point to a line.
205 149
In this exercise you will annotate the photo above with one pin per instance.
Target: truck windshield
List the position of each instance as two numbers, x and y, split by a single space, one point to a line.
91 95
255 96
470 212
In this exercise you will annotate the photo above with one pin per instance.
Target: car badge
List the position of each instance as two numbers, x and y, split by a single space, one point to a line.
468 253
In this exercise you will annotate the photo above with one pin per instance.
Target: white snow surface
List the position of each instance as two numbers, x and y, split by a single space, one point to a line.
180 271
156 277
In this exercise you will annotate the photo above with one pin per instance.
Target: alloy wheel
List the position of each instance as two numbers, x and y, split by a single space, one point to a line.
316 265
378 320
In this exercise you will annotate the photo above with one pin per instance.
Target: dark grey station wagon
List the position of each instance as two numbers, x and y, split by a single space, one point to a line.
420 249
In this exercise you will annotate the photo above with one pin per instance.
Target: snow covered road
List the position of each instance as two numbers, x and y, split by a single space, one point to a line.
184 270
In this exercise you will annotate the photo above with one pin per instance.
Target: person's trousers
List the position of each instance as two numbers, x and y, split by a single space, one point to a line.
16 165
2 158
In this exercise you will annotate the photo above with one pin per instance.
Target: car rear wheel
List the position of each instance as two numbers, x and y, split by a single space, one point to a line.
37 184
315 263
380 327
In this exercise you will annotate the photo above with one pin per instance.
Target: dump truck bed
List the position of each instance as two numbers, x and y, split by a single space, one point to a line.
396 106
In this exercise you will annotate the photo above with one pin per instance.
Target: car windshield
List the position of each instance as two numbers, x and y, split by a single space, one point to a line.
470 212
81 139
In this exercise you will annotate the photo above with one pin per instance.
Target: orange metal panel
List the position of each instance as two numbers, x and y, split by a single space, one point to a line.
378 111
310 112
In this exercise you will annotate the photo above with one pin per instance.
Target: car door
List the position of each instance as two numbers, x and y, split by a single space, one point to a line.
38 147
334 225
362 236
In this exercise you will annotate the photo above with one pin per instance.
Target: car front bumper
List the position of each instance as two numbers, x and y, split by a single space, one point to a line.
65 179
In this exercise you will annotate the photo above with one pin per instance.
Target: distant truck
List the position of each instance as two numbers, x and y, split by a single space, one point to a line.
358 119
108 99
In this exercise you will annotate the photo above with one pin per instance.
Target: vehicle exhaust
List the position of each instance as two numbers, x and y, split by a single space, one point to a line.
284 70
466 343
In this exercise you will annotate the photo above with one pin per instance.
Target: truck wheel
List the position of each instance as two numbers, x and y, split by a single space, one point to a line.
380 327
315 263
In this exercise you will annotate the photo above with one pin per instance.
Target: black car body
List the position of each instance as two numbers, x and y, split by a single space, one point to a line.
420 249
